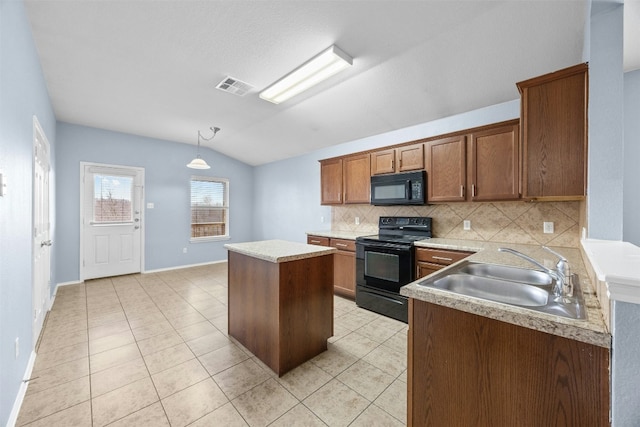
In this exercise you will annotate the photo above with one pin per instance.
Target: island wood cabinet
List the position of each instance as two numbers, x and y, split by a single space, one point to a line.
554 134
401 159
469 370
345 180
344 263
431 260
479 166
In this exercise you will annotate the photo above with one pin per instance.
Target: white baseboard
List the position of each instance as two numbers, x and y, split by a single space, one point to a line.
17 404
77 282
180 267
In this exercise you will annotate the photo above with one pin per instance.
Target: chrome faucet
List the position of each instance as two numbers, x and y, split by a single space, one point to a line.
561 274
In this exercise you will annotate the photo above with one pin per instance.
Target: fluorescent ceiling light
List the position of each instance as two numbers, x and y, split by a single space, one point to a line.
312 72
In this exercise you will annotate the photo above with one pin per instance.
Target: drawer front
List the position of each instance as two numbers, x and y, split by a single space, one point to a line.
439 256
343 244
318 240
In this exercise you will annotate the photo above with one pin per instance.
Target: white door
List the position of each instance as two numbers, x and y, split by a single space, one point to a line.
111 232
41 229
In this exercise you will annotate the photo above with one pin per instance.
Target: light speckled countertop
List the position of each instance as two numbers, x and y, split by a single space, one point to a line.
592 330
279 250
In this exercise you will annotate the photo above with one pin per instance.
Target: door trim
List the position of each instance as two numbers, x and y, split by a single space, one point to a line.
81 271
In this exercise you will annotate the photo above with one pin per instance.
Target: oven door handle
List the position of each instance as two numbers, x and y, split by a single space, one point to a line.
382 296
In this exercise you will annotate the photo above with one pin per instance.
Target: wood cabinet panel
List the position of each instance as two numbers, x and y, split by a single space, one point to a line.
331 182
554 134
318 240
495 164
426 268
431 260
383 161
344 273
357 178
410 158
445 161
466 369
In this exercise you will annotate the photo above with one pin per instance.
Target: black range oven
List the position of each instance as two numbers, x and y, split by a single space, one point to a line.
385 263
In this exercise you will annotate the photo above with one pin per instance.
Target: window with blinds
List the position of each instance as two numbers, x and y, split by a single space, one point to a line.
209 208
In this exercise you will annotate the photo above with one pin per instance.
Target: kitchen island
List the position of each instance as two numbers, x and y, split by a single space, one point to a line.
280 300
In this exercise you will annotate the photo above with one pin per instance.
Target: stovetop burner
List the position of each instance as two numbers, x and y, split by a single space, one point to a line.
401 229
390 238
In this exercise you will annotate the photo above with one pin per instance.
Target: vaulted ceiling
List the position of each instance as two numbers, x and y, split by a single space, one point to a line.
150 67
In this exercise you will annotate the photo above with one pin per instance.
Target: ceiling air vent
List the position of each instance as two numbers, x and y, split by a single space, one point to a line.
234 86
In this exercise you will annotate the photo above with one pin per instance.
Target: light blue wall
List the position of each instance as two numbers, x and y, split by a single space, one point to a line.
631 228
23 94
288 192
167 225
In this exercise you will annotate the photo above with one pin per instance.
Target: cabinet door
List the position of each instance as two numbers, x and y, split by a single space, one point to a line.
383 162
446 169
410 158
331 182
426 268
344 273
357 178
318 240
495 164
554 134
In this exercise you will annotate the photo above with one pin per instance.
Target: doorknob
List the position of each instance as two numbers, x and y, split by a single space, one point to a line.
46 243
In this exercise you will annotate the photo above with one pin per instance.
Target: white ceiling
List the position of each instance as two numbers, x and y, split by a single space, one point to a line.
150 67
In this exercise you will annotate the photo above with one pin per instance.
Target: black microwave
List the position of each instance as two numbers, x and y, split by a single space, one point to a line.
407 188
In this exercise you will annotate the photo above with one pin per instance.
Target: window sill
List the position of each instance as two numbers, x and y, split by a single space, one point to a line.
208 239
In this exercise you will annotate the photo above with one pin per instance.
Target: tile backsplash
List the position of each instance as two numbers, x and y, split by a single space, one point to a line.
508 222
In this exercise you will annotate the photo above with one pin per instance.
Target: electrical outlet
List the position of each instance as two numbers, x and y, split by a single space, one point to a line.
184 250
17 347
547 227
466 225
357 220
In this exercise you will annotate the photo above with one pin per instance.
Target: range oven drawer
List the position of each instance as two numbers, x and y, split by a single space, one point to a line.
388 304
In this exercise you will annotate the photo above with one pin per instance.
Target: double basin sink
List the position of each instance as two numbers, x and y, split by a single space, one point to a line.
530 289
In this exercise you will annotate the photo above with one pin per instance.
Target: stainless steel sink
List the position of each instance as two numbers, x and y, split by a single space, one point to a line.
493 289
521 275
530 289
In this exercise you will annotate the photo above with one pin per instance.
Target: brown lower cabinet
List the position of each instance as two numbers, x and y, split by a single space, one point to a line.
431 260
469 370
344 263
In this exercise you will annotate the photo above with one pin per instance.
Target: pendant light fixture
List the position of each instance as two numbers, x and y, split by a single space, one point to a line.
198 162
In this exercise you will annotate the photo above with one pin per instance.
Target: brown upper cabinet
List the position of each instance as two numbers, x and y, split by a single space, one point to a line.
446 162
554 134
345 180
494 164
331 182
401 159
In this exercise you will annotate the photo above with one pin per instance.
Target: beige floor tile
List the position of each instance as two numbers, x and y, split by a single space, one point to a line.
223 358
391 361
394 400
110 358
58 356
226 415
148 318
108 329
151 416
152 329
193 403
110 342
240 378
168 358
356 344
196 330
299 416
118 376
159 342
47 402
374 416
74 416
123 401
334 360
304 380
179 377
106 318
366 379
59 374
264 403
374 332
208 343
336 404
398 342
190 318
352 321
51 341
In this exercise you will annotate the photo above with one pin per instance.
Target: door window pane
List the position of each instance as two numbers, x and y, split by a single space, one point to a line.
112 198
